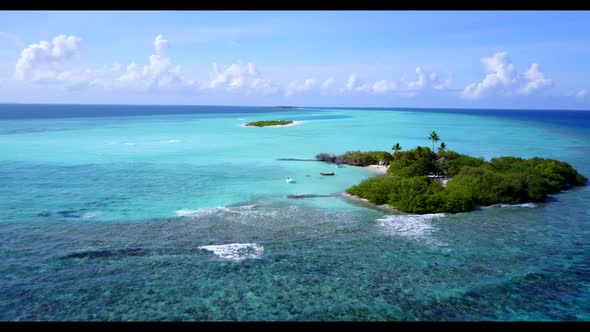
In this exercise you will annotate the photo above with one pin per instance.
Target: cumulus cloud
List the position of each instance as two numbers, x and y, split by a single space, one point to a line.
239 77
39 62
500 72
297 87
420 83
378 87
160 73
536 80
582 93
501 77
233 77
424 83
43 62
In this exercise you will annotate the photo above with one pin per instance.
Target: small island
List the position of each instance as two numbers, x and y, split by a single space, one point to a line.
423 181
273 123
287 107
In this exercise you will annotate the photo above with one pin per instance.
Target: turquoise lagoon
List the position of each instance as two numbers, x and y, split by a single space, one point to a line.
181 213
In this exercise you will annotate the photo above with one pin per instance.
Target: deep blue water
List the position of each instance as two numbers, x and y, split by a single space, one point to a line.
567 118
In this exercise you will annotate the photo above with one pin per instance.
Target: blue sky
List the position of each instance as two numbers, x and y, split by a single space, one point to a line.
467 59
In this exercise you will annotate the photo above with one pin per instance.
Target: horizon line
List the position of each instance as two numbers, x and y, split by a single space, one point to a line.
300 106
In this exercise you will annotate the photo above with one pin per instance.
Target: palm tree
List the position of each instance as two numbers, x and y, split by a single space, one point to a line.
396 148
434 138
442 147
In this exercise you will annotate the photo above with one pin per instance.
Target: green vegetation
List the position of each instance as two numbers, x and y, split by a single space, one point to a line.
413 181
269 123
357 158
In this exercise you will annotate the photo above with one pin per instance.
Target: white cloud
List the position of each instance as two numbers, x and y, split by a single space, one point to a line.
160 73
425 82
536 80
379 87
437 84
235 77
499 73
297 87
161 44
43 63
501 77
365 87
40 62
420 83
352 80
239 77
582 93
327 83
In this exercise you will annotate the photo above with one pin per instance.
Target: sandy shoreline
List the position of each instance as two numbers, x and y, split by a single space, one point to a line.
379 169
294 123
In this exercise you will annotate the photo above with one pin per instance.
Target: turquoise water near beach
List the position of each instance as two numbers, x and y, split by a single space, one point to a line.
181 213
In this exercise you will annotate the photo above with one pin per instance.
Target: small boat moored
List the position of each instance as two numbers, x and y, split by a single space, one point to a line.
326 173
289 180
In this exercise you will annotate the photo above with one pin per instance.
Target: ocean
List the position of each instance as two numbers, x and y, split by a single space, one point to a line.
168 213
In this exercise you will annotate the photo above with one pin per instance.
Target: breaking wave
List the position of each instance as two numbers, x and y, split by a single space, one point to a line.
235 251
418 227
242 214
524 205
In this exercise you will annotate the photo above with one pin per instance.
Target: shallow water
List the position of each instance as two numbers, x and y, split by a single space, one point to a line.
188 217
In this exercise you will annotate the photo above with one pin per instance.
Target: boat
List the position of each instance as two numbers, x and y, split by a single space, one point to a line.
326 173
289 180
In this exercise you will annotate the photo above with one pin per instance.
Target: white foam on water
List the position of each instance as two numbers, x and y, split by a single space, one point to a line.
241 214
174 141
235 251
199 212
418 227
524 205
89 215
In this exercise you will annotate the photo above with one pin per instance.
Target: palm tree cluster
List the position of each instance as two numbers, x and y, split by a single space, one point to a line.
433 137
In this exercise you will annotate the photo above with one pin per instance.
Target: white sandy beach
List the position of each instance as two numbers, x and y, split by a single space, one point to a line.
294 123
379 169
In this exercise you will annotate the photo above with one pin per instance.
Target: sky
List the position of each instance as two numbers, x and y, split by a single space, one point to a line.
432 59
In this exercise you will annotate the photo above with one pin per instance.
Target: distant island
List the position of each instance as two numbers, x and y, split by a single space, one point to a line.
422 181
285 107
271 123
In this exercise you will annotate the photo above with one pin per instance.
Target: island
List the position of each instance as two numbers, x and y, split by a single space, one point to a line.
273 123
287 107
423 181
